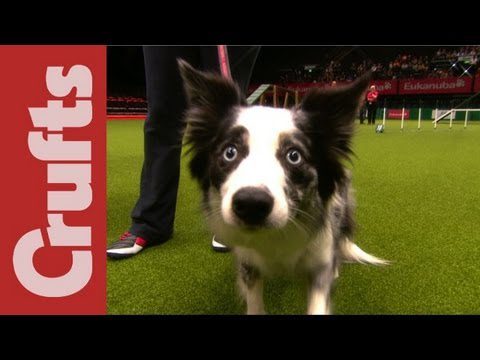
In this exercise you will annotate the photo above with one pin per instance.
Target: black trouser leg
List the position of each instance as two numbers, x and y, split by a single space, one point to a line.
374 113
154 213
242 60
372 110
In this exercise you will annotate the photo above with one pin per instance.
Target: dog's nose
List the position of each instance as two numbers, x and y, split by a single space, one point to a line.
252 205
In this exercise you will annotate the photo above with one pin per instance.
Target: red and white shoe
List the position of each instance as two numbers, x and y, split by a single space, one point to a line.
128 245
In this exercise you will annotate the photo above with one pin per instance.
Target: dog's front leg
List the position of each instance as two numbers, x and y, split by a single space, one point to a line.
251 287
319 292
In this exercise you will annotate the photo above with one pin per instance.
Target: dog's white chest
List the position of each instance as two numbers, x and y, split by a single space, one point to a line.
286 252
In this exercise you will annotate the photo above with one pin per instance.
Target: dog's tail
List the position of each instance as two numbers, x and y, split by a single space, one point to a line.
350 252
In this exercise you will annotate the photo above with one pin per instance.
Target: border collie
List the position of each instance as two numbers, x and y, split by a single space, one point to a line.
275 188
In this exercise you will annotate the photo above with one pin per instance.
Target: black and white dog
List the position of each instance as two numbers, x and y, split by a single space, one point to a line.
275 188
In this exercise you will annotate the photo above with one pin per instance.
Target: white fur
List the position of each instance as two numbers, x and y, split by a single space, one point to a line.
318 302
350 252
253 297
320 250
271 250
284 246
261 167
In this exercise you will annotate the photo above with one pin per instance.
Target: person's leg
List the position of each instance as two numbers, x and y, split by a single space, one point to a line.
242 62
374 113
154 213
241 58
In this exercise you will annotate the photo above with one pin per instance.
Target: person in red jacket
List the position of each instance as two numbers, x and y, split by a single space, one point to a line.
372 99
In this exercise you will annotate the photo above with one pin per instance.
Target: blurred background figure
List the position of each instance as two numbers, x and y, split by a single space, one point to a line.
372 98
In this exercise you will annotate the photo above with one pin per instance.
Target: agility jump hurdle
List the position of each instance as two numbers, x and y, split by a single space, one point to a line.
277 91
451 113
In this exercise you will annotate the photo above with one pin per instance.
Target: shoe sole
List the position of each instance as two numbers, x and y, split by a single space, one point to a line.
221 249
117 256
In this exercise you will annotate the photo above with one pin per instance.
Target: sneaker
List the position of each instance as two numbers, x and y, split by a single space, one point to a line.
219 247
128 245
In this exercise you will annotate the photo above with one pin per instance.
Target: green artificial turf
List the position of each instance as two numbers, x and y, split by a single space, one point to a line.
418 205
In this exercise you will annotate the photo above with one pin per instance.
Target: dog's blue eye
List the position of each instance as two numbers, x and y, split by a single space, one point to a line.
294 157
230 153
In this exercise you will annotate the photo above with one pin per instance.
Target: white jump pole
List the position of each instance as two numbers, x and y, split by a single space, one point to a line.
451 118
419 117
466 119
403 118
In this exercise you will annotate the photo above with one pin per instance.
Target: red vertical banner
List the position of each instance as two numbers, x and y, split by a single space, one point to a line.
53 152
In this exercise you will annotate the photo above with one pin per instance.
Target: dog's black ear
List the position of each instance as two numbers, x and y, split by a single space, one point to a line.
338 104
327 116
209 90
211 100
332 111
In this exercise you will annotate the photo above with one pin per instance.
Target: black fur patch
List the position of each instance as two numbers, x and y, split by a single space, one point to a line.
213 105
327 116
298 177
302 174
347 221
219 168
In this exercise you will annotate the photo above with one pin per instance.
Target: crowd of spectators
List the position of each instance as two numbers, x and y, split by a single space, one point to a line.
336 72
405 66
470 53
444 62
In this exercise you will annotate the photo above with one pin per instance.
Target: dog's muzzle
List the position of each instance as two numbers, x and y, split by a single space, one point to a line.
252 205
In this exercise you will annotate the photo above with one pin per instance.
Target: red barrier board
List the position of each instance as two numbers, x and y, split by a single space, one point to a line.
53 184
397 114
302 87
